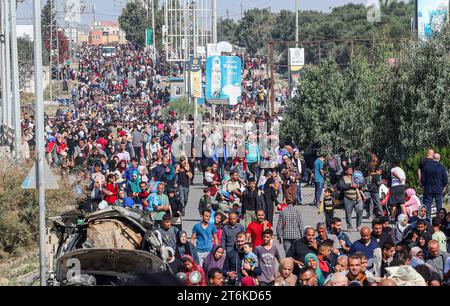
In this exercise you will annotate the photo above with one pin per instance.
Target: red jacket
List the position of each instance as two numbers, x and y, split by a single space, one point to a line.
115 190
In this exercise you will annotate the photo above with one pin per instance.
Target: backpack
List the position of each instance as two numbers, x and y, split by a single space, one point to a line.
333 164
358 178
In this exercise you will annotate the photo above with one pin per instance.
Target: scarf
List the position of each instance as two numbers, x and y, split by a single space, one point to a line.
211 262
291 280
400 220
182 249
134 184
320 277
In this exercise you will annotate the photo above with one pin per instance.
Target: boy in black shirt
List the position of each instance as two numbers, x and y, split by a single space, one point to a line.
327 207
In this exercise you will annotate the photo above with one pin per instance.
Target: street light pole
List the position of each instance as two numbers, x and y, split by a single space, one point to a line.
296 22
214 20
15 83
3 64
38 88
7 89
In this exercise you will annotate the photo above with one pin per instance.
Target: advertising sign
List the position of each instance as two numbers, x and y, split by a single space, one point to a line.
431 17
195 68
296 63
149 37
224 79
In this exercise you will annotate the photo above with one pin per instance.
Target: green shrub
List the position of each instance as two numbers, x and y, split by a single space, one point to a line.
411 164
19 224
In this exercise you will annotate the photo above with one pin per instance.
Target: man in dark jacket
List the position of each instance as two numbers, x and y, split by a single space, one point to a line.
377 233
434 181
233 262
250 203
300 247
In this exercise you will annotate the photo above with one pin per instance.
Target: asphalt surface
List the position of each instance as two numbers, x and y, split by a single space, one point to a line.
307 209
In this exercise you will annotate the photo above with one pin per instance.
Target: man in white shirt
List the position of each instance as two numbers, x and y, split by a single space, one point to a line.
153 147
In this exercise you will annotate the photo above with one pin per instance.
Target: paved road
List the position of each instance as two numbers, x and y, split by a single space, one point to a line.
309 211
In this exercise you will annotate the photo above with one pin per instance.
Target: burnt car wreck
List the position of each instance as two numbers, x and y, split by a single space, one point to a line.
108 247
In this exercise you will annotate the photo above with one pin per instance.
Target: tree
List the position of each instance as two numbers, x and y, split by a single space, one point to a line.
25 57
393 108
254 30
134 22
226 30
49 25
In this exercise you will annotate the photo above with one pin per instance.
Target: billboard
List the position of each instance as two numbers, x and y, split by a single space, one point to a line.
195 68
296 63
224 79
431 17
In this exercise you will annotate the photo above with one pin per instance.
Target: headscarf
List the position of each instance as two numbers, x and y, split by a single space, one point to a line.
420 208
135 184
320 277
211 261
291 280
400 219
195 267
171 175
413 202
180 248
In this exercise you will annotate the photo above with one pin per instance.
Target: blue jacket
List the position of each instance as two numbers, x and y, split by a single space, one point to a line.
359 246
434 178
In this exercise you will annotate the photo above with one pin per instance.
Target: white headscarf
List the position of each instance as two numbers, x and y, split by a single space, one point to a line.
400 220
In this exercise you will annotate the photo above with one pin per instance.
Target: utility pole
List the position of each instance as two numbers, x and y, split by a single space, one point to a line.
15 83
3 65
242 9
38 88
194 7
7 65
297 3
272 81
214 20
153 24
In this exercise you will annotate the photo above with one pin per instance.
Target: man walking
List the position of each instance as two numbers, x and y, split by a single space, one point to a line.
289 226
250 203
230 231
256 228
204 232
434 182
319 175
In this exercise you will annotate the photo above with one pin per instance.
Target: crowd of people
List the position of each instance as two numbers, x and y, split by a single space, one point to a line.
123 151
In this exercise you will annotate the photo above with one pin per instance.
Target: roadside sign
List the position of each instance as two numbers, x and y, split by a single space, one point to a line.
149 37
50 181
224 79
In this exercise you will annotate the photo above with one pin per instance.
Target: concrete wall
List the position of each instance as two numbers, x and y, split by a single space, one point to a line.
29 84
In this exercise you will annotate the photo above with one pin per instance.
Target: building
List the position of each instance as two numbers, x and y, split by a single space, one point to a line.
106 32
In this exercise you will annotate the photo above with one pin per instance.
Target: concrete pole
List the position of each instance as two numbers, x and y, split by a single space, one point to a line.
214 20
8 118
15 83
195 53
153 25
40 142
296 22
2 66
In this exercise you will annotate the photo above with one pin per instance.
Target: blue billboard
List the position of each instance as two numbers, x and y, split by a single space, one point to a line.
224 79
431 17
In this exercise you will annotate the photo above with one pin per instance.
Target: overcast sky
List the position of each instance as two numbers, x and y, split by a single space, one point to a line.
106 9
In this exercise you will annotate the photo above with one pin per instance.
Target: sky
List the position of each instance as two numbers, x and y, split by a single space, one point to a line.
109 9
